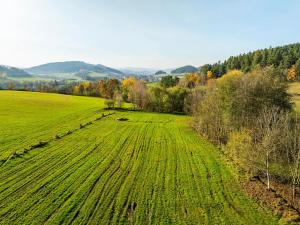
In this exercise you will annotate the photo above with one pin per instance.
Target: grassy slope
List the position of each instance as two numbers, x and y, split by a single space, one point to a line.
151 169
28 117
294 90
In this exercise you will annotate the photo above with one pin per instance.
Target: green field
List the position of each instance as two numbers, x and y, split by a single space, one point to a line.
28 117
294 90
151 169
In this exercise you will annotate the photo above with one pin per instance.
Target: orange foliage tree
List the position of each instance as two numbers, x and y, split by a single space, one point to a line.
291 75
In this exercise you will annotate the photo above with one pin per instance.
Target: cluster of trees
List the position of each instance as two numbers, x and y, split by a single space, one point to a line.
282 58
41 86
250 115
166 97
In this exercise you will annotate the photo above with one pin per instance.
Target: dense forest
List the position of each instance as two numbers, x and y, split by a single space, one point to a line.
282 58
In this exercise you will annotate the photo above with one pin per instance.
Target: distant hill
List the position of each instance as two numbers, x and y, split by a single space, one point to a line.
9 71
185 69
137 71
160 72
71 67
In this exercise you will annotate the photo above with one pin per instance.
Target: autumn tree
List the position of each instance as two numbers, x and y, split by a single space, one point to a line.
127 85
113 85
190 80
87 86
210 75
118 98
297 66
129 82
102 88
291 75
138 94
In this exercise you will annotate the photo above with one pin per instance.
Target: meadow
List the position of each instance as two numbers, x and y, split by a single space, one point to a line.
29 117
294 90
151 169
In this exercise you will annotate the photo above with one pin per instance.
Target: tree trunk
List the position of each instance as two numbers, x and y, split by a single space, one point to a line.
267 171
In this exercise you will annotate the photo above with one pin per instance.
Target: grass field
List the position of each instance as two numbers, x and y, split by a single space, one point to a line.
151 169
28 117
294 90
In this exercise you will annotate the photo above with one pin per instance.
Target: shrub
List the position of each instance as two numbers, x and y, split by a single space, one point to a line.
109 103
240 147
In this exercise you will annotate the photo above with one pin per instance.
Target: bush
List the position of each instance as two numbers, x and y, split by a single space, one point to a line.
240 147
109 103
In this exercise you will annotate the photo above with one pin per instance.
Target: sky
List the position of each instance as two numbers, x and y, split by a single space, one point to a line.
142 33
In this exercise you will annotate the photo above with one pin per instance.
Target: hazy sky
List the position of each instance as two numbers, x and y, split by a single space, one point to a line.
142 33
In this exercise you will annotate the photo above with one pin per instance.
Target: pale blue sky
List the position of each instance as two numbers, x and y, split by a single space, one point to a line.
140 33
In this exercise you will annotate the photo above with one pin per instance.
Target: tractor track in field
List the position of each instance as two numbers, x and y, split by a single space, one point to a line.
120 179
129 204
106 169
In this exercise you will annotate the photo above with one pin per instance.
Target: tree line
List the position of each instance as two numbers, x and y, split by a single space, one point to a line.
250 116
283 58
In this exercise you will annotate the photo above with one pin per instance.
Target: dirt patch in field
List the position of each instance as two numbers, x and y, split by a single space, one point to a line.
271 198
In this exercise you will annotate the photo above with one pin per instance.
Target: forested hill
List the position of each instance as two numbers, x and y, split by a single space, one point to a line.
283 57
185 69
71 67
9 71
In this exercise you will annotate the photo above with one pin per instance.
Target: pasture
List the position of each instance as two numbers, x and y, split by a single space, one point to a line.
294 90
151 169
29 117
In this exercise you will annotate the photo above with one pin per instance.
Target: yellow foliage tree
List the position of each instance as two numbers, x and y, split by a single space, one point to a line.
291 75
192 77
234 74
210 75
129 82
76 90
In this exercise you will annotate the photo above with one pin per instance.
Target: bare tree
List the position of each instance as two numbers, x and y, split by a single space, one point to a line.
271 132
294 163
118 98
138 94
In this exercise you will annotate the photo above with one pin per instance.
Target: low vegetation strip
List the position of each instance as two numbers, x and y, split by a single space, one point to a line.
150 169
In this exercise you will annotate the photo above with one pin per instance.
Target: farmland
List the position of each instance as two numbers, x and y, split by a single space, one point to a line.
151 169
28 117
294 90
